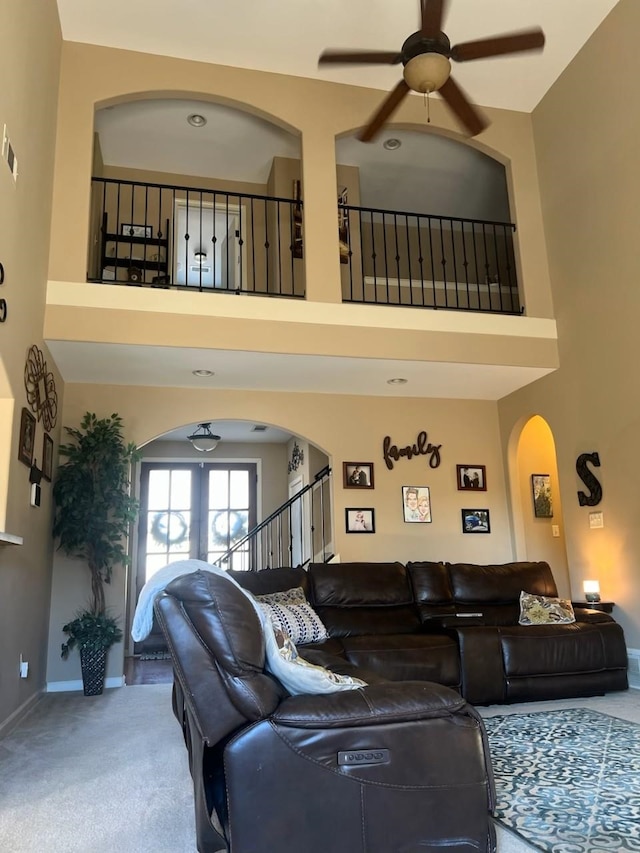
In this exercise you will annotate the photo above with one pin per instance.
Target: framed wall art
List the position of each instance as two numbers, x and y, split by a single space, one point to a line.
471 478
129 230
360 520
47 457
475 521
357 475
416 503
541 492
27 437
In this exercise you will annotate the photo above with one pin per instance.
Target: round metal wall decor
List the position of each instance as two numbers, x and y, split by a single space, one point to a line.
41 388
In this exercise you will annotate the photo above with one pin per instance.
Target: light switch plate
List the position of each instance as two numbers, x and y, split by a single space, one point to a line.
555 530
596 519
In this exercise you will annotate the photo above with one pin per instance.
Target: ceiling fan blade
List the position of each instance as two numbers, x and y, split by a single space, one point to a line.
431 17
384 112
363 57
498 45
459 103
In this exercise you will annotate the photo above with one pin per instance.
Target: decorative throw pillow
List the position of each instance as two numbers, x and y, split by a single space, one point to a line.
286 596
297 674
299 621
542 610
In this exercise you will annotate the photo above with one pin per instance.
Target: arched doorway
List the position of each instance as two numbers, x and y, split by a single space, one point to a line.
197 505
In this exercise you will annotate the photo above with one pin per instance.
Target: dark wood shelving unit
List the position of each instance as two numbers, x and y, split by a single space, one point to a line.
141 268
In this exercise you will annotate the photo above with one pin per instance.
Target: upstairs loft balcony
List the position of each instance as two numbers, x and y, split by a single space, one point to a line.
181 238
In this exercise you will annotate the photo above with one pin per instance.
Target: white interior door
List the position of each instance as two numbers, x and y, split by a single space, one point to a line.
210 257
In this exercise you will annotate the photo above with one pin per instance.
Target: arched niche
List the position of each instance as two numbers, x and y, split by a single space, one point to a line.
531 452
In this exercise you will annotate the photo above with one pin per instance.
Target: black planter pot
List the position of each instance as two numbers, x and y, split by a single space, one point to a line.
94 664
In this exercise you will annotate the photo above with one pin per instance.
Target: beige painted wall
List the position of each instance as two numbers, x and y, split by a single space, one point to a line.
586 131
30 44
97 76
344 428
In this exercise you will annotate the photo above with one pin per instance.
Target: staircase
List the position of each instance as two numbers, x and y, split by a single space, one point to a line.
298 532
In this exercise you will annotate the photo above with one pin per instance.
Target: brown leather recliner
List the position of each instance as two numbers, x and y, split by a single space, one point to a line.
393 767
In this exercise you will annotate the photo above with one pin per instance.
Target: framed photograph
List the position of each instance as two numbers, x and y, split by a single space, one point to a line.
47 457
357 475
129 230
541 490
416 503
359 520
471 478
475 521
27 437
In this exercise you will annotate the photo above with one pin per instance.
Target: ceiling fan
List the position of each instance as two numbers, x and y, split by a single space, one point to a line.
425 56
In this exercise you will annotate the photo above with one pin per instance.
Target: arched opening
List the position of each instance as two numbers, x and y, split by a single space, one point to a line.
425 222
201 505
191 194
535 496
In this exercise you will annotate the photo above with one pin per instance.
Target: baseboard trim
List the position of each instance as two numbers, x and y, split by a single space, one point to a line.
633 657
74 686
20 713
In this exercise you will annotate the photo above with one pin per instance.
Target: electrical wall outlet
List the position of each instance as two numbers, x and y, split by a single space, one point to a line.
596 519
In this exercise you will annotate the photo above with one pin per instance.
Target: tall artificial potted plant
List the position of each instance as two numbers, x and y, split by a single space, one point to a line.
93 510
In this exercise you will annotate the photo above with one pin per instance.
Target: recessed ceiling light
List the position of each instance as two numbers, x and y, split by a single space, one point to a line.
391 144
397 381
203 372
196 120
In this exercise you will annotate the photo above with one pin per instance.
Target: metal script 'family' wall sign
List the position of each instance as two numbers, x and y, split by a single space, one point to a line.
422 447
589 479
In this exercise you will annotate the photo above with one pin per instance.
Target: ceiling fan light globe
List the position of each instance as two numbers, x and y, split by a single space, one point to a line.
427 72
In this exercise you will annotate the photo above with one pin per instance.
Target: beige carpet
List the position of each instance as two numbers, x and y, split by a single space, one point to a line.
109 773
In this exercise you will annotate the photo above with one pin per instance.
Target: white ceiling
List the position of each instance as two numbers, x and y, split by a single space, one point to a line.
287 36
138 365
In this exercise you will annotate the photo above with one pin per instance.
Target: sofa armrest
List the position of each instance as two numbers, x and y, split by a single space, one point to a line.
376 704
586 614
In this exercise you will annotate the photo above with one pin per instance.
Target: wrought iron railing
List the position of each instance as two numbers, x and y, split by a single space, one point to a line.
297 533
420 260
195 239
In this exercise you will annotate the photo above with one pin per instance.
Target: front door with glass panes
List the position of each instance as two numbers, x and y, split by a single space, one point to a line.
192 510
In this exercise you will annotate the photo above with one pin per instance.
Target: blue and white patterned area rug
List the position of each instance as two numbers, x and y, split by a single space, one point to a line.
568 781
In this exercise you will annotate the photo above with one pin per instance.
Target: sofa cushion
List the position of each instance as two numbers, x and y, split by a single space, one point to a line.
406 657
363 598
542 610
500 583
359 584
271 580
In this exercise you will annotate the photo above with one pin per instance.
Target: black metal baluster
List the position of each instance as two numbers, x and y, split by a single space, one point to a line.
420 258
253 246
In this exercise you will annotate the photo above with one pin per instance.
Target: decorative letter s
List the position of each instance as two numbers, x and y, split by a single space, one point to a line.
589 479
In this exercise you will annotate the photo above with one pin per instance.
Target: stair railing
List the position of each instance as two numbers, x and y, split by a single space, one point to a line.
297 533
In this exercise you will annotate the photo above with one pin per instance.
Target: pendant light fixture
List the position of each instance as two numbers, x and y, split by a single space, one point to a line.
203 439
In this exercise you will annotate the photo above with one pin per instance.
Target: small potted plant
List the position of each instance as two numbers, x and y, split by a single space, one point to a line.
93 511
93 634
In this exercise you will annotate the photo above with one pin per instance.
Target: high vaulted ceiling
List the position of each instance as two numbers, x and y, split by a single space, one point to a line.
287 36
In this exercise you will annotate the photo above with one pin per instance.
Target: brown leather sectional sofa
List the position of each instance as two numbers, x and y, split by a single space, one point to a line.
455 624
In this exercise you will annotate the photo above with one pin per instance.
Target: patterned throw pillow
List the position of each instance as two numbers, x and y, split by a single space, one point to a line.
300 676
541 610
296 617
286 596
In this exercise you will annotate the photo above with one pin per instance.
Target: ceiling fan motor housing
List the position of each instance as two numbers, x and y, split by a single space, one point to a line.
417 44
426 62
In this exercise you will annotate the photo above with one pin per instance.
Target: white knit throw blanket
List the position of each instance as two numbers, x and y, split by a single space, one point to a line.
293 672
